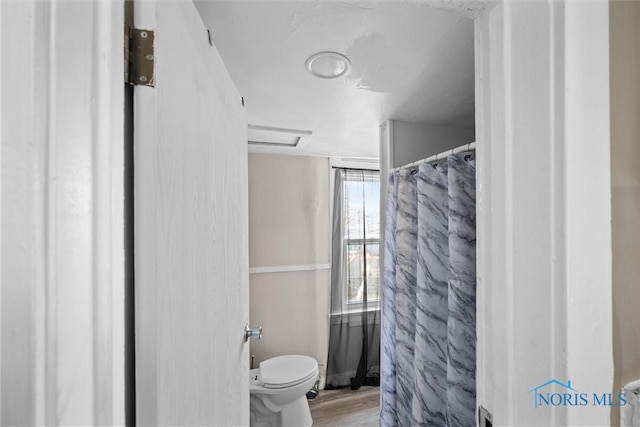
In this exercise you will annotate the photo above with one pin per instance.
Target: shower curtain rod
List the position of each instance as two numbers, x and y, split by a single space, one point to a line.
356 169
466 147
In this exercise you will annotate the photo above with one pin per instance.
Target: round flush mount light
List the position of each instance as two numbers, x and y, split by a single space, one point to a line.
328 65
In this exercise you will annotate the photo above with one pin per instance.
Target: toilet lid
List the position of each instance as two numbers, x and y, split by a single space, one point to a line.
285 370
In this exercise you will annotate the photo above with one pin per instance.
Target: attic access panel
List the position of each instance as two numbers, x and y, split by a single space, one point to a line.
276 137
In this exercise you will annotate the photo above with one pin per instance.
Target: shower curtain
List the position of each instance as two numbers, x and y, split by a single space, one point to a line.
428 367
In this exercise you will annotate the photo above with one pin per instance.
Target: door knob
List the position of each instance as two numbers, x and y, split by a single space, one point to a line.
255 332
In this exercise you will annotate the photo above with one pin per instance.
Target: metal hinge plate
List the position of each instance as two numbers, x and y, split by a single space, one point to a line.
139 57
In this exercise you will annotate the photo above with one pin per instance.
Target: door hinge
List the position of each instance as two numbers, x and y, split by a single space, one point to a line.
139 56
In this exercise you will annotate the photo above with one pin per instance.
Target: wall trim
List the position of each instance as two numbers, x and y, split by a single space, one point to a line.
289 268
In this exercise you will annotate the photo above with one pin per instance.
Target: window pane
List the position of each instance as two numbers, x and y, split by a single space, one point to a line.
373 271
362 205
355 269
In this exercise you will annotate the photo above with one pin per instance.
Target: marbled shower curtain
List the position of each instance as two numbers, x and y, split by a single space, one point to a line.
429 310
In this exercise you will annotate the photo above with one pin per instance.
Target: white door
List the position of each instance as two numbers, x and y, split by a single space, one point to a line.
191 229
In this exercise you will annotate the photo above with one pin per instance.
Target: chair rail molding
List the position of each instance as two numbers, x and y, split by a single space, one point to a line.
288 268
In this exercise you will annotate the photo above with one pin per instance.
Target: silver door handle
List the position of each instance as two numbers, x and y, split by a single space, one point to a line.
255 332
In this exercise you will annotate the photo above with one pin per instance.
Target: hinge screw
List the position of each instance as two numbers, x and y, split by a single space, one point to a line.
143 34
143 79
150 57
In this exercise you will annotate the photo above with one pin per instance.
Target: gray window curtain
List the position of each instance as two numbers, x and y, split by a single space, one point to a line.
354 330
429 301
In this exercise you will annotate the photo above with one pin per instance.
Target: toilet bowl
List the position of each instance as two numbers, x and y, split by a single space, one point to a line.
278 391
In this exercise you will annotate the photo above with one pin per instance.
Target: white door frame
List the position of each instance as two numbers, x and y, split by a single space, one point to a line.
62 223
544 235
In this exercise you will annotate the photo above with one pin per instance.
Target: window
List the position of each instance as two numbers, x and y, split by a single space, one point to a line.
361 238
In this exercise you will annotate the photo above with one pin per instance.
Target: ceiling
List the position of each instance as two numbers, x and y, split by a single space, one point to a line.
410 62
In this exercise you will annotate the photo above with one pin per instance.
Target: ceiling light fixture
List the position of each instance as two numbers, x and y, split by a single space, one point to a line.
328 65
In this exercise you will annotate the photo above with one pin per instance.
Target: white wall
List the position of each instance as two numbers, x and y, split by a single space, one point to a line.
414 141
544 236
62 259
289 229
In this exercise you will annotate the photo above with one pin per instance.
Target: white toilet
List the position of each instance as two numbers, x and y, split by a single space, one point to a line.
279 389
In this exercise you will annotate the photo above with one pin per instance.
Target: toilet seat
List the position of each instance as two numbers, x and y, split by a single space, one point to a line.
287 371
278 391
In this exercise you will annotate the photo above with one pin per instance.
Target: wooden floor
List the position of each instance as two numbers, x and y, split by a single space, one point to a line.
347 408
